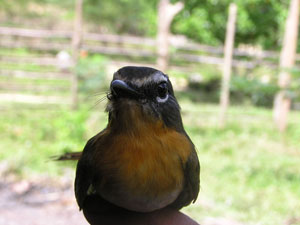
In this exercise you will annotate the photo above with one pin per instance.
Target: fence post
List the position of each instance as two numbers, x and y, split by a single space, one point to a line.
228 50
282 101
76 42
166 13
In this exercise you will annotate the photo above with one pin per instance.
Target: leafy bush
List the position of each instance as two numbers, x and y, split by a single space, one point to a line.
260 94
242 89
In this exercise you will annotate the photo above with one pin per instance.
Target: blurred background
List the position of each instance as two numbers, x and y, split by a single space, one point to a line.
235 71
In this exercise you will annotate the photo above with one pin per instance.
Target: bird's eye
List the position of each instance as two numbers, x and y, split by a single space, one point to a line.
162 92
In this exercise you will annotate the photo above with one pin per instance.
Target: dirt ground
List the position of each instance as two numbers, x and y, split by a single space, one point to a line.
38 201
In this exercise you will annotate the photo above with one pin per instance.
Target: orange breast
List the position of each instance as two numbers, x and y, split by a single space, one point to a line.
148 162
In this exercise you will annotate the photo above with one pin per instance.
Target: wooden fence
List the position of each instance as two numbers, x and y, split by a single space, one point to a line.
51 83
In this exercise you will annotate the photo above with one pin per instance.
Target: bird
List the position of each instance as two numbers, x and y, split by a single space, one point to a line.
143 160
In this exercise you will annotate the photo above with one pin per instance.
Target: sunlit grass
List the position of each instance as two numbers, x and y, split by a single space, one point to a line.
27 67
250 172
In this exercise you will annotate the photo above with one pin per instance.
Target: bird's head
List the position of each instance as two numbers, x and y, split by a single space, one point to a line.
142 94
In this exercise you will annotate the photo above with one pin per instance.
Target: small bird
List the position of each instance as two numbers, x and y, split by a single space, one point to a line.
143 160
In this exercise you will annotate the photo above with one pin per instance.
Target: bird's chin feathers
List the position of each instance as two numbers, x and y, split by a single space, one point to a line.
124 110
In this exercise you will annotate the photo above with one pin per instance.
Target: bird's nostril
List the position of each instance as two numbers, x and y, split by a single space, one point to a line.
117 86
120 89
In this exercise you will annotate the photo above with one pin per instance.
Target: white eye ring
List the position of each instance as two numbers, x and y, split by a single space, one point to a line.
162 100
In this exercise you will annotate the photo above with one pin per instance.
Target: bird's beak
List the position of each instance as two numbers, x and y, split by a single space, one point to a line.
120 89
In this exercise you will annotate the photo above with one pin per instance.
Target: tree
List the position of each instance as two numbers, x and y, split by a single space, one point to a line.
287 60
228 50
166 13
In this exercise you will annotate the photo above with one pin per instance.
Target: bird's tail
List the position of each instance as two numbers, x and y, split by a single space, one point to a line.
68 156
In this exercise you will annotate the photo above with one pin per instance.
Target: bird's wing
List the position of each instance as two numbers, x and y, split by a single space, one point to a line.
85 171
191 181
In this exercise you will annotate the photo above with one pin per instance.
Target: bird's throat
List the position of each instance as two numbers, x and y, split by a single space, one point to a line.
132 118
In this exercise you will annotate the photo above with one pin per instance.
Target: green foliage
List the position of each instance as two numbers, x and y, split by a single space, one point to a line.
10 7
260 94
259 22
243 89
125 16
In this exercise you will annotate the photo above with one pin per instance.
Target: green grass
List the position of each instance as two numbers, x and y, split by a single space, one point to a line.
249 172
40 81
15 51
27 67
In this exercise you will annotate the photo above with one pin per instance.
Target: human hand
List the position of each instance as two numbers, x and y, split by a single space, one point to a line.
110 215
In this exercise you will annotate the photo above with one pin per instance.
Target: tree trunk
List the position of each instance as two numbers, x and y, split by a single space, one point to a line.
282 101
228 50
76 43
166 13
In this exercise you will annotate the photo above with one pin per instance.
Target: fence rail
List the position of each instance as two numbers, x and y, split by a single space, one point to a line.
180 43
48 43
34 75
36 78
